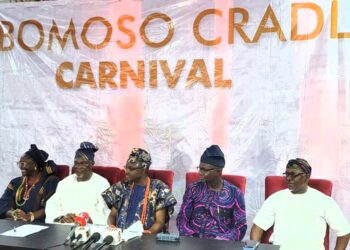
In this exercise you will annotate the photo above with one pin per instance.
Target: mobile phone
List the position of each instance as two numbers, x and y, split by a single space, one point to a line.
168 237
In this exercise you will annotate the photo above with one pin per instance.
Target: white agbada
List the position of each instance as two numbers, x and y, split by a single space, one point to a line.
76 197
300 220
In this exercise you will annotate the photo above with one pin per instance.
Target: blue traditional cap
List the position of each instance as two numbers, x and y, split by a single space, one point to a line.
213 156
301 163
87 150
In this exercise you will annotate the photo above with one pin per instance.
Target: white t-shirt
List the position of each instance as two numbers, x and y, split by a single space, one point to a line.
300 220
74 196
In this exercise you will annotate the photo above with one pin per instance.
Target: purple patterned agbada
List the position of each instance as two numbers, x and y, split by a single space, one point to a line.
212 214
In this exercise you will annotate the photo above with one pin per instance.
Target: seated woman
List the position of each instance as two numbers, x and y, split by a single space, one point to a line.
25 197
139 198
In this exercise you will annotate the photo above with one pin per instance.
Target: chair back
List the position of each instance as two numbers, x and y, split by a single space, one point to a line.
277 183
166 176
237 180
62 171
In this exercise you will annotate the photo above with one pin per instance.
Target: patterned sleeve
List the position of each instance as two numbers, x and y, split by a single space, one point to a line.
6 199
165 199
239 216
48 189
112 195
183 218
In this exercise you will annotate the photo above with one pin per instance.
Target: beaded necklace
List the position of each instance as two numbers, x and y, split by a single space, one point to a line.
27 191
145 200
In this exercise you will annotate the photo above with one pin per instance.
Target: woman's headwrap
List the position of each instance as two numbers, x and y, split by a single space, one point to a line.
37 155
87 151
301 163
140 155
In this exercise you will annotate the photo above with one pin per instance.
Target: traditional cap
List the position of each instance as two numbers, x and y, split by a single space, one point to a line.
213 156
87 150
140 155
301 163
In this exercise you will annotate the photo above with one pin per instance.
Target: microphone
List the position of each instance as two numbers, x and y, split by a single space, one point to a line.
106 242
93 238
71 235
115 233
79 221
74 241
82 228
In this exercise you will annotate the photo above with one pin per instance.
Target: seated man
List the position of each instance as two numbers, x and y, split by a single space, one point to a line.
300 214
79 192
212 208
139 198
25 197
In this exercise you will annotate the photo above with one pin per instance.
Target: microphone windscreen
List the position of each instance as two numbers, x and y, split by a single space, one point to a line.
71 233
78 237
72 236
108 239
95 237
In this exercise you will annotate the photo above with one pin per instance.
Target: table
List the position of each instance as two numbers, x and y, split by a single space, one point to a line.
187 243
56 234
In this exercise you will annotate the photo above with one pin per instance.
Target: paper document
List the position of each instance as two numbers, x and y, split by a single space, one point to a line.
24 230
134 230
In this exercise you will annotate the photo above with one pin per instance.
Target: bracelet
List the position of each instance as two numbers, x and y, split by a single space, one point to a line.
32 217
13 214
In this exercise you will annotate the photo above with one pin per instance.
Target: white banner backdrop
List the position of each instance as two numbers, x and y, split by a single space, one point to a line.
266 80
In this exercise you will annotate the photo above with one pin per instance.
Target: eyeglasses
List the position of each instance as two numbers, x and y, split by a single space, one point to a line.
292 175
205 170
